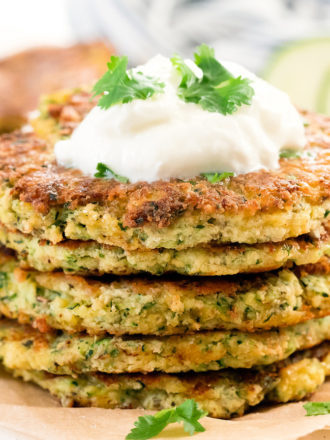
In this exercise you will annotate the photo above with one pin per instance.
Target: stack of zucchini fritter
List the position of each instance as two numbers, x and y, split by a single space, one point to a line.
144 295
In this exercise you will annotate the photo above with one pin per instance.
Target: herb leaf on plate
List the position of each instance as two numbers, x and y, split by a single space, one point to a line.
317 408
149 426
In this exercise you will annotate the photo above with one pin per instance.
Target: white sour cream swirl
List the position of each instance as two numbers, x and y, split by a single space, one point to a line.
164 137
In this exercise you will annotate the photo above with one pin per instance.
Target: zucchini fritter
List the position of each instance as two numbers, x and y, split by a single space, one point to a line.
25 348
55 203
27 75
163 306
223 394
90 257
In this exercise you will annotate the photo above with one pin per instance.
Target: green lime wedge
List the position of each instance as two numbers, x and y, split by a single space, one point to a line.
302 70
323 98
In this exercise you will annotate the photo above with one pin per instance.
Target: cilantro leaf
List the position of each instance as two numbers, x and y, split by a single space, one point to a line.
187 75
189 414
214 73
148 426
104 172
217 90
216 177
118 85
231 94
317 408
290 154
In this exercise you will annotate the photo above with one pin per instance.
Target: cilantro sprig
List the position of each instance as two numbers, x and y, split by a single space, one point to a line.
217 90
119 85
317 408
149 426
216 177
104 172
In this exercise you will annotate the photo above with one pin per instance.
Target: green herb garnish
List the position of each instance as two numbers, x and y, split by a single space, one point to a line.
104 172
188 412
317 408
119 86
217 90
290 154
216 177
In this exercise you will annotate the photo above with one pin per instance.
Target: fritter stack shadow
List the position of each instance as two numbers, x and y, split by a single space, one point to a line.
143 295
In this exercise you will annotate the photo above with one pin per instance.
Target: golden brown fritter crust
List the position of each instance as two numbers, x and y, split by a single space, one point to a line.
70 113
320 268
29 165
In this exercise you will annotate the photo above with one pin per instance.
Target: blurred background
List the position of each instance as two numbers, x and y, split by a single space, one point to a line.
46 45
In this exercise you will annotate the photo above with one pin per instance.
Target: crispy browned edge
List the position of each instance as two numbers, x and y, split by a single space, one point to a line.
27 163
27 75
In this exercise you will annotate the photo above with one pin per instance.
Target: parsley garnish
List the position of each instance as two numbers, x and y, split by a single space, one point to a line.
317 408
290 154
104 172
188 412
119 86
216 177
217 90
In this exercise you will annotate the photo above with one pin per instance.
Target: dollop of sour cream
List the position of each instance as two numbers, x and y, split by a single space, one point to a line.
164 137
